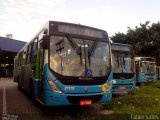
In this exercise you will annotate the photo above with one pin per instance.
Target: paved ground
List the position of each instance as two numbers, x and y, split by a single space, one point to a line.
1 100
16 104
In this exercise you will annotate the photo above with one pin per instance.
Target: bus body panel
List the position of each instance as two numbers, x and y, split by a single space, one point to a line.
55 99
52 98
124 80
123 86
145 76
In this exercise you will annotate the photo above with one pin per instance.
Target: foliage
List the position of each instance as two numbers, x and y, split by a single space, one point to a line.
144 40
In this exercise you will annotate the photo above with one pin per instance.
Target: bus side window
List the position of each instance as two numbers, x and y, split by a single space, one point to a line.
19 60
33 51
41 54
24 56
29 53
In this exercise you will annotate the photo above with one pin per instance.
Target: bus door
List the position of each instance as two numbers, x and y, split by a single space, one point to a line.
137 68
41 81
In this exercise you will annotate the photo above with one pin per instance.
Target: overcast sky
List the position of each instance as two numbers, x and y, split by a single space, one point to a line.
24 18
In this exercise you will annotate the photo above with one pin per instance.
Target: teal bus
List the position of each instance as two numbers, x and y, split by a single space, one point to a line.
66 64
123 68
145 68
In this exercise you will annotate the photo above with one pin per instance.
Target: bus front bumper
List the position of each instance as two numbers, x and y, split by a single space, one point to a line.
123 89
56 99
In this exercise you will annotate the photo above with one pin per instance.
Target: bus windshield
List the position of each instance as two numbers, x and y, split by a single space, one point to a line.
79 57
122 63
148 67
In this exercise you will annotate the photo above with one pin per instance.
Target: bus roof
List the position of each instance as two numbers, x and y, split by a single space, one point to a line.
119 47
51 27
144 59
59 22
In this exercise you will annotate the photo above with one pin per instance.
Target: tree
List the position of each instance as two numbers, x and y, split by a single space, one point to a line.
145 40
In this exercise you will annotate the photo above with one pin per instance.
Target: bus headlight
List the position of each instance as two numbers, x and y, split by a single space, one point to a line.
54 87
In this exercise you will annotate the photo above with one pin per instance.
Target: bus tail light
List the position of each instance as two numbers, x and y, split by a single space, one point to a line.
54 87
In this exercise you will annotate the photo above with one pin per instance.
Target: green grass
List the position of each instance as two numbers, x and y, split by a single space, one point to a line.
144 101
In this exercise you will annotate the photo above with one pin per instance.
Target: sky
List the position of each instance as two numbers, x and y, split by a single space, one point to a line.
24 18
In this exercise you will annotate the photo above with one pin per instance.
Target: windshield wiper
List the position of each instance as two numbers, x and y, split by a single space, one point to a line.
75 47
91 50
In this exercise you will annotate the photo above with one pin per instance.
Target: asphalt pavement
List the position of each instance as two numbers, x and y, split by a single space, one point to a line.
17 105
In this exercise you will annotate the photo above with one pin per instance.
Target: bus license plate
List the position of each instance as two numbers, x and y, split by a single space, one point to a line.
122 87
85 102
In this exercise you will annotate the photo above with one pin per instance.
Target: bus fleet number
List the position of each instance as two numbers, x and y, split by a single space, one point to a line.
69 88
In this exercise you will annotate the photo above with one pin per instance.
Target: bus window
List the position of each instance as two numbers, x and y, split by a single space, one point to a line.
148 67
20 59
70 61
29 53
33 52
24 56
122 63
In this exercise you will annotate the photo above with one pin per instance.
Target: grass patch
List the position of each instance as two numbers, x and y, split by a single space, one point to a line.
144 101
